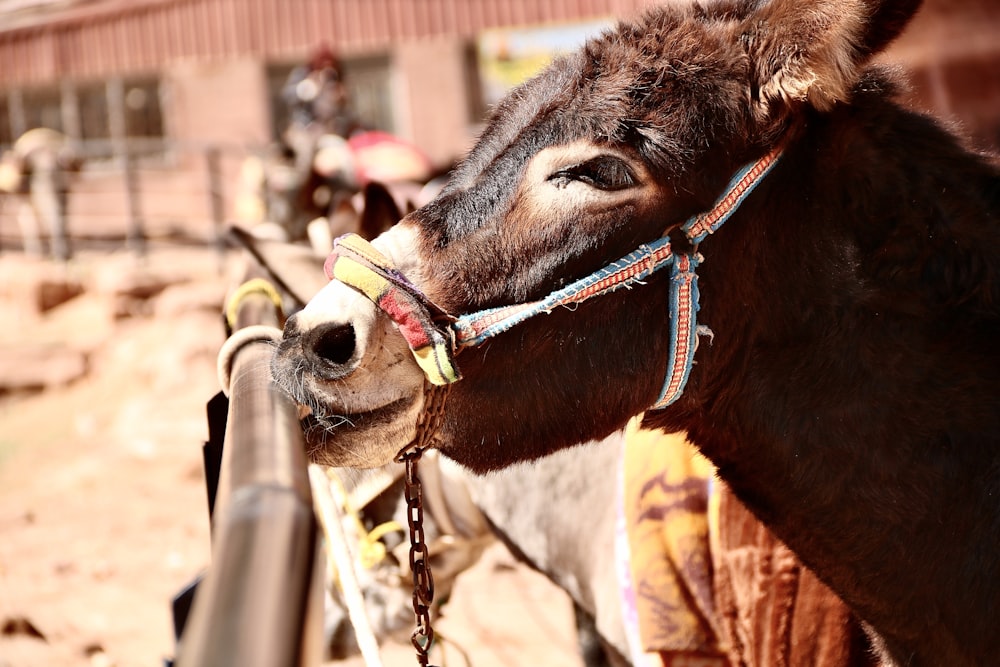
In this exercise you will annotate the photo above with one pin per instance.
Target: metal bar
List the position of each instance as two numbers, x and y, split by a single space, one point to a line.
136 233
260 603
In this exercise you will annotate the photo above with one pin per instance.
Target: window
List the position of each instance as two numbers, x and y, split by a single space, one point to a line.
6 129
141 110
87 106
92 107
143 113
368 83
42 108
276 77
478 109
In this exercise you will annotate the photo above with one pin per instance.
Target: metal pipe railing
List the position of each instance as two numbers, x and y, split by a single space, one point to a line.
260 602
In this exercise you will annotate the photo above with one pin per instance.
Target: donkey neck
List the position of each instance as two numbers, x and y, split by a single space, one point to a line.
820 400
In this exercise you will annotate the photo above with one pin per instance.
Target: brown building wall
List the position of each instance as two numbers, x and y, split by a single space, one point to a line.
221 101
118 36
951 52
431 89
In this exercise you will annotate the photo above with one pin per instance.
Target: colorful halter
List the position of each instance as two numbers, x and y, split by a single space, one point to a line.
435 337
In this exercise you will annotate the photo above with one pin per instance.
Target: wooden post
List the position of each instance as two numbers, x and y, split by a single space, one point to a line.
70 112
15 106
135 235
213 167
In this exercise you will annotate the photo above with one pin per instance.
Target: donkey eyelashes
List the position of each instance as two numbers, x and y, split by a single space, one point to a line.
604 172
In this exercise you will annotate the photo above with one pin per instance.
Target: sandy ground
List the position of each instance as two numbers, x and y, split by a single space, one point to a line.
102 502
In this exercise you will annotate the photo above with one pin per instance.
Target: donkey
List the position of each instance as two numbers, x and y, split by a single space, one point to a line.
847 384
559 515
519 506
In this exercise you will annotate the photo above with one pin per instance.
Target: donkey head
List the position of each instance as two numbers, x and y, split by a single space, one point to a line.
609 148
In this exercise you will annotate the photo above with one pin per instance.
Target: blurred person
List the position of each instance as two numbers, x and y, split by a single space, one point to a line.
327 155
318 106
313 169
45 159
317 96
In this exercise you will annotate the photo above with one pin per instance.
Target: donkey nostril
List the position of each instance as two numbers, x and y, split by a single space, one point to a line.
334 343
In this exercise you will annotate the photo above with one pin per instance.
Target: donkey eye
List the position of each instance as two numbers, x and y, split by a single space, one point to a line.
605 172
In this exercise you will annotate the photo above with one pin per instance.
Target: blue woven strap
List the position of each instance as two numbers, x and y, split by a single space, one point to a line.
683 304
475 328
739 188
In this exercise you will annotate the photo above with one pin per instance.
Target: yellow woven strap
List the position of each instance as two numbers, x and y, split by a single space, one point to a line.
357 263
252 286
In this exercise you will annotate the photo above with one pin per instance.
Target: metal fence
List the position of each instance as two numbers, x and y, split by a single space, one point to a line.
126 194
260 603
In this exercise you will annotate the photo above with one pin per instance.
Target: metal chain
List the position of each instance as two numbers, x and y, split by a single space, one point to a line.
420 567
423 581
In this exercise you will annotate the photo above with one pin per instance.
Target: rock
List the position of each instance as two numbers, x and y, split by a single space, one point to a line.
32 367
132 285
36 285
52 292
20 625
186 297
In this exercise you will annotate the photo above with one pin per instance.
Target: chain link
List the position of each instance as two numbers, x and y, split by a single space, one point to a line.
423 581
420 567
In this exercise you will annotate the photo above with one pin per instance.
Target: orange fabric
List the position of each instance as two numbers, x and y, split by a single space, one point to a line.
666 490
712 585
773 610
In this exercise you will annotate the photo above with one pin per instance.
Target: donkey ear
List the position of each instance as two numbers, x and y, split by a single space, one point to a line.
381 211
814 51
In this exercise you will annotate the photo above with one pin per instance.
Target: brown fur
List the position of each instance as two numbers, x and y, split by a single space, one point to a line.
851 393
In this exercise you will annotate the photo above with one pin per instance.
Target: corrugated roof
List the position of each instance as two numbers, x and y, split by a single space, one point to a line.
100 37
43 41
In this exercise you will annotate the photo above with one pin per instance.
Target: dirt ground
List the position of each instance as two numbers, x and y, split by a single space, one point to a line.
102 502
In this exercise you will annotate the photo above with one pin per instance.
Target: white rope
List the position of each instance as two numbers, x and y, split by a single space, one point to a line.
331 519
232 345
